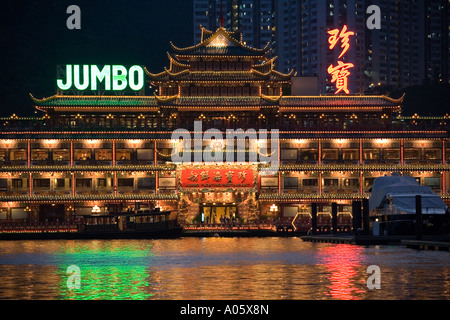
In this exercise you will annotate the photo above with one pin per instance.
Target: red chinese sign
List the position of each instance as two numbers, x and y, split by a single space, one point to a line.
339 75
340 72
216 178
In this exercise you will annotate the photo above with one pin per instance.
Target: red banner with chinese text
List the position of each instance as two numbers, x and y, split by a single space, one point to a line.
217 178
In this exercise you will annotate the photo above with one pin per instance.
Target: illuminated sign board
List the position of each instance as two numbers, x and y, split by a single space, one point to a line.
112 77
217 178
340 73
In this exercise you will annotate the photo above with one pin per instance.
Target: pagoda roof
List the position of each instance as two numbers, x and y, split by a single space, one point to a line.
220 43
284 103
339 101
77 100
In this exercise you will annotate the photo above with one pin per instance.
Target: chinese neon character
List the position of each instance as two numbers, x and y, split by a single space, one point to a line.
204 175
217 177
339 75
343 35
229 175
241 175
193 177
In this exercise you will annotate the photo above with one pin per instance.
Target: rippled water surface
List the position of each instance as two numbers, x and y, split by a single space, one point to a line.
217 268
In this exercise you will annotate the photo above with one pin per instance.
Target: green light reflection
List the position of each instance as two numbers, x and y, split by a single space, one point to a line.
112 270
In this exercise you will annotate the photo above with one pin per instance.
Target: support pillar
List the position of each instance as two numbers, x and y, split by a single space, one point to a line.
356 213
314 218
419 220
334 217
366 221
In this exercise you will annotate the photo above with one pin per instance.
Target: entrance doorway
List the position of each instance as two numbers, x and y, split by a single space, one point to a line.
51 212
218 213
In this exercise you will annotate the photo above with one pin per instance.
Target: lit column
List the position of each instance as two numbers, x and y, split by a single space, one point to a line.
114 152
29 152
360 152
73 184
30 186
444 187
279 182
361 183
155 152
115 183
71 152
401 151
320 182
320 152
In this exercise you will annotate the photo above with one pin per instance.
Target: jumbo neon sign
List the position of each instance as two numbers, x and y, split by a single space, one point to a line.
114 77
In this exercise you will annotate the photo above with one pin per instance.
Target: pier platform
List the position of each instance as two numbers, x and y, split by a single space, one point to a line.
426 245
409 241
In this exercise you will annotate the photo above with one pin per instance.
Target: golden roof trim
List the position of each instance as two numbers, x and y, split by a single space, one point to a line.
166 98
219 31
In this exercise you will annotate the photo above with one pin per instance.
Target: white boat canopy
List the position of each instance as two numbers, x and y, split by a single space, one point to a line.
401 192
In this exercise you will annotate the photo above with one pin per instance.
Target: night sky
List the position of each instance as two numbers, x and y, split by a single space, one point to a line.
35 39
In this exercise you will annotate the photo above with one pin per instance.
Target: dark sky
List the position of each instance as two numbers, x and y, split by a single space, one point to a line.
34 40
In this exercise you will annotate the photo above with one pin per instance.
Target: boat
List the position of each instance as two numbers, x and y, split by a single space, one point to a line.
143 224
392 204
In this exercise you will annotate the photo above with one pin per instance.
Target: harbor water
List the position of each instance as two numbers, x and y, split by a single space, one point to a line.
217 268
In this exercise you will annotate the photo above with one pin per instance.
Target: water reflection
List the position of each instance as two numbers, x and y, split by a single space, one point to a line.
109 270
218 268
343 263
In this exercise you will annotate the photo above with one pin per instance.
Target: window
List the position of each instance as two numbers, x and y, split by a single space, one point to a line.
309 182
60 183
331 182
329 154
123 154
39 154
83 183
433 182
101 183
432 154
18 155
146 183
412 154
290 182
371 154
18 183
392 154
61 154
145 154
289 154
3 185
41 183
350 182
309 155
368 182
125 182
350 154
103 154
2 154
82 154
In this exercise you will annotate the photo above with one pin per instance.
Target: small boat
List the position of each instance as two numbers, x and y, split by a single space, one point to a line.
392 203
141 225
144 224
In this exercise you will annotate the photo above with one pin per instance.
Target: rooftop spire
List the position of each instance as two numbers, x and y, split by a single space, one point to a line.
221 15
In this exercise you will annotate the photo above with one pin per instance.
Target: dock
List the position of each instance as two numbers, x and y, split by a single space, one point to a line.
426 245
431 243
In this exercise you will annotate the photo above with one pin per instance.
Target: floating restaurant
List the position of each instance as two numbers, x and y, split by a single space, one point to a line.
108 152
